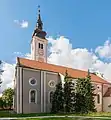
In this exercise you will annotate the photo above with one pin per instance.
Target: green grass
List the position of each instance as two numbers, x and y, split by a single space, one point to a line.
98 114
65 119
9 114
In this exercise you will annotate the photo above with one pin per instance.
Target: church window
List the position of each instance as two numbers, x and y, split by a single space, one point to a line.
39 45
98 98
32 96
51 96
51 83
32 81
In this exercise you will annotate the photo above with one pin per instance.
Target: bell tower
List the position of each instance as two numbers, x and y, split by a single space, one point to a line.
39 42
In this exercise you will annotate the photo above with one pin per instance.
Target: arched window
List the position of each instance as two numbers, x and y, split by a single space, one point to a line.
98 98
51 96
33 96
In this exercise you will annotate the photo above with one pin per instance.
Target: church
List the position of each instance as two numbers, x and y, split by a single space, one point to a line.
35 80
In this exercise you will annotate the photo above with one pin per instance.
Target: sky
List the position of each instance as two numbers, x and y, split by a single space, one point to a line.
78 31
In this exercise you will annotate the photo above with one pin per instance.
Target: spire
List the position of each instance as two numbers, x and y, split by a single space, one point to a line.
38 31
39 21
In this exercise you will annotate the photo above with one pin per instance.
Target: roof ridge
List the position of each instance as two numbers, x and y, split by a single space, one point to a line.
54 65
57 68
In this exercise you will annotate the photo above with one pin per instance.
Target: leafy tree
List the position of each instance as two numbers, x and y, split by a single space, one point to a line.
68 94
8 97
1 103
58 99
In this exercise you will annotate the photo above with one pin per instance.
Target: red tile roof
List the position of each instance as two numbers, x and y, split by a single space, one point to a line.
59 69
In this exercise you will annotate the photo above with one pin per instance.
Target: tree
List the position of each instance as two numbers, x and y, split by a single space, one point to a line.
90 94
80 97
84 93
80 106
8 97
63 98
1 103
68 94
58 99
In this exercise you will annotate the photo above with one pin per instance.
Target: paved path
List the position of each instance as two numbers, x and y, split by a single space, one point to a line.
14 118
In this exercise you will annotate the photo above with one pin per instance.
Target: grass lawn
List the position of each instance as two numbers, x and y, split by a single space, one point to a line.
10 114
65 119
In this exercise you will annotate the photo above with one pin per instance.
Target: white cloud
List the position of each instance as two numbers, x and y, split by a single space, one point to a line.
9 72
105 50
27 56
7 76
22 24
17 53
62 53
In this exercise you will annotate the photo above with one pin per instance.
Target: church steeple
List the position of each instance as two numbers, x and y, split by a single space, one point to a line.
39 27
39 41
39 24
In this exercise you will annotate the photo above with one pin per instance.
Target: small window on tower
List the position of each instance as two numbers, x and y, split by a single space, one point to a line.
41 46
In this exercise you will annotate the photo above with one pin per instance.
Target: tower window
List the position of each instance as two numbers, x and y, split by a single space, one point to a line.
41 46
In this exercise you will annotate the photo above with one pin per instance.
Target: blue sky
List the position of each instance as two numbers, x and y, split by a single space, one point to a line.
87 23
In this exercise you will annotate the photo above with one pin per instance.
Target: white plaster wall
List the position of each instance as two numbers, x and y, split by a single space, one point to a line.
98 90
34 48
98 106
106 103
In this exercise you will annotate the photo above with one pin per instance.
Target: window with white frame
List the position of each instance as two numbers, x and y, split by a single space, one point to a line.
32 81
51 83
33 96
